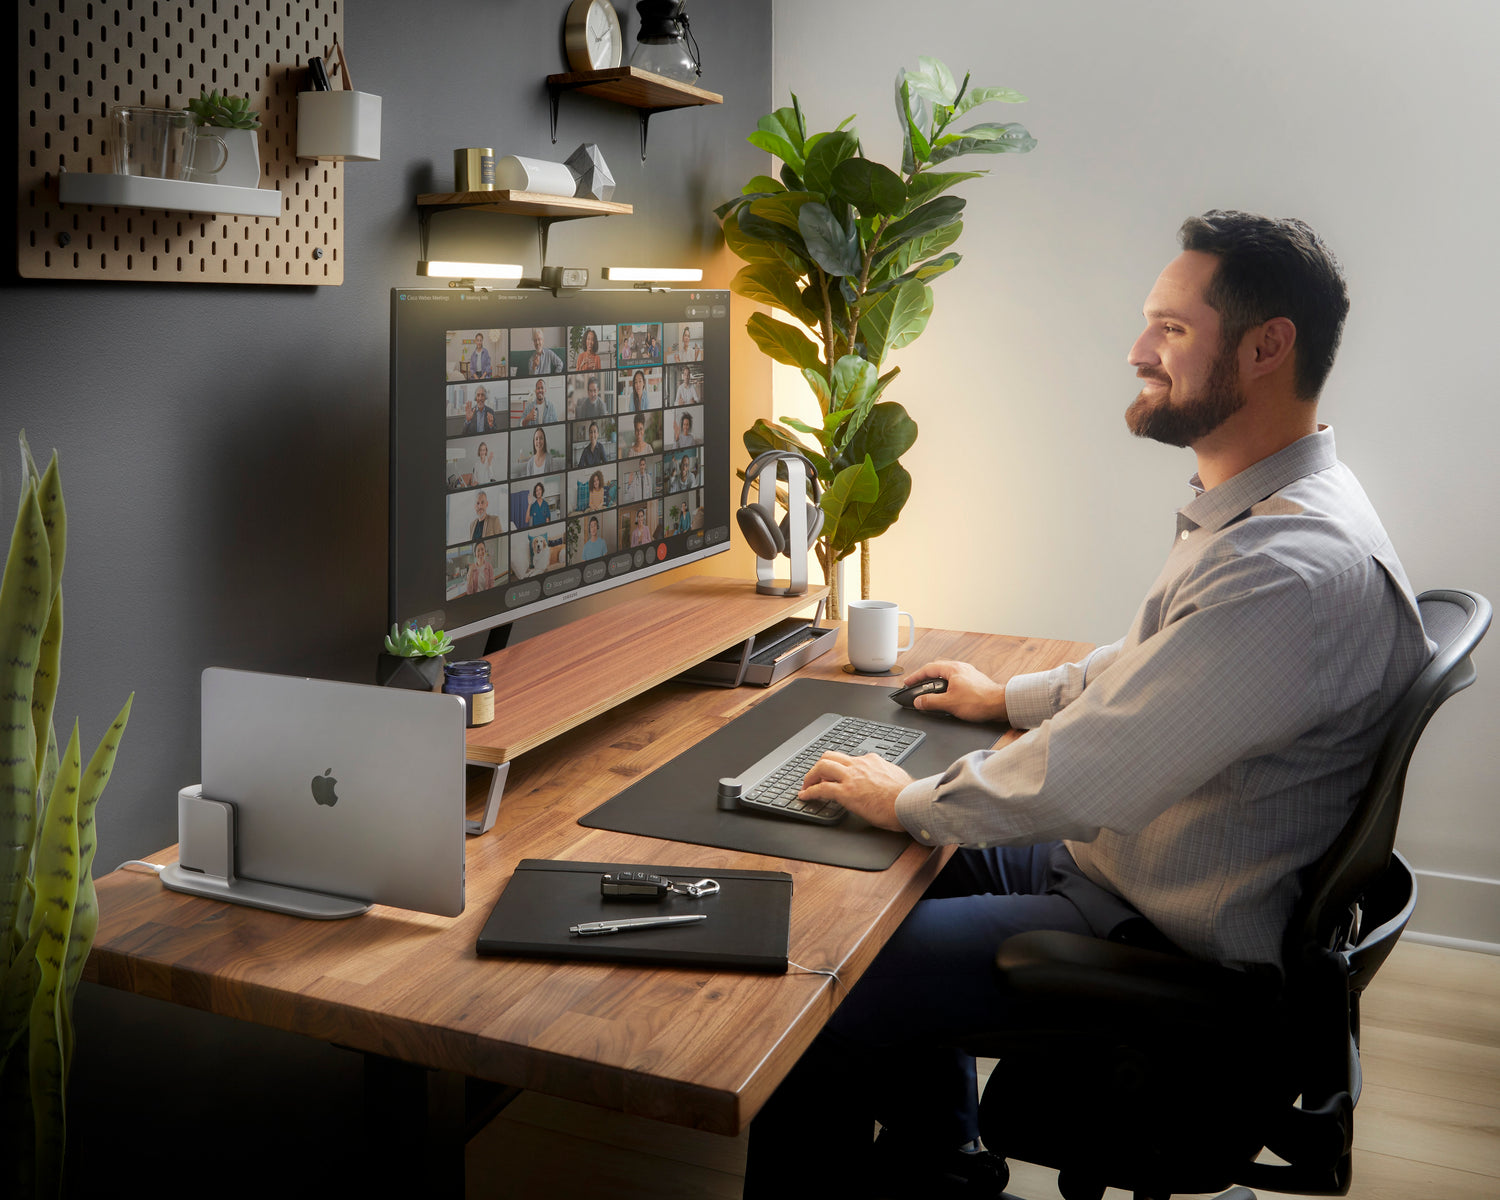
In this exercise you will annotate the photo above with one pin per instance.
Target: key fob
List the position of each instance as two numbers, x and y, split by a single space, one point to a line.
633 885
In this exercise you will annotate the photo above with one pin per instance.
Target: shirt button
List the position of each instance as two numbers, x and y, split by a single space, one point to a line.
925 836
1183 535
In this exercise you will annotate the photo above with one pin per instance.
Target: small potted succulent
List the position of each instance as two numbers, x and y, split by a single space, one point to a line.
233 120
413 658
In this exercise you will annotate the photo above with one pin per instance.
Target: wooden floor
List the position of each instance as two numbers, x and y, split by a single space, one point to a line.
1427 1127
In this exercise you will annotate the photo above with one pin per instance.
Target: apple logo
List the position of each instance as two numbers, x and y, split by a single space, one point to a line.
322 788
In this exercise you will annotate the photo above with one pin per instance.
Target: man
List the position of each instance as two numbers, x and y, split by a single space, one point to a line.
485 525
593 406
479 359
592 455
1175 782
482 420
543 360
539 410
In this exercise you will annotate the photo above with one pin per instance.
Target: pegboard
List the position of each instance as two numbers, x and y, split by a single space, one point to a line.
79 58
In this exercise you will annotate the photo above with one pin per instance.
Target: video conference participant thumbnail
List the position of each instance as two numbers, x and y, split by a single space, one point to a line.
591 395
640 478
592 489
473 461
640 524
476 567
591 347
537 551
684 386
476 354
537 351
534 503
593 442
640 344
591 537
538 452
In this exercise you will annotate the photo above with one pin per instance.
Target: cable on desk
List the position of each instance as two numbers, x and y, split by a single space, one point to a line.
154 868
833 975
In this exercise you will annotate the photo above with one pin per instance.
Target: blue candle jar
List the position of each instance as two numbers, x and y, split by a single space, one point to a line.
471 680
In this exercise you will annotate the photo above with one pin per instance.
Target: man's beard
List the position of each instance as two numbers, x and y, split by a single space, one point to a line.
1191 417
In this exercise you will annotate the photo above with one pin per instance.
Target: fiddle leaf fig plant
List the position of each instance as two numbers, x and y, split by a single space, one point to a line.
848 248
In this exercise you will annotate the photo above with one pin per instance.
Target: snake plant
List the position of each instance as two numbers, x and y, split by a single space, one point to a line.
48 912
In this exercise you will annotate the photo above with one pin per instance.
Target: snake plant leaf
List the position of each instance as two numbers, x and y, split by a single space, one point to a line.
824 159
25 598
871 187
785 343
86 911
57 892
17 986
895 318
986 139
833 245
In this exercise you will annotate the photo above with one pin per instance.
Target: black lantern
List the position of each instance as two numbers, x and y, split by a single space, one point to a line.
662 44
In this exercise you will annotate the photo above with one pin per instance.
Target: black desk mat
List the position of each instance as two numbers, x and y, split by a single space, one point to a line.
679 799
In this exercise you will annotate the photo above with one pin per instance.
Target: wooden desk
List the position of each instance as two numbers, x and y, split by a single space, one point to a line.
693 1047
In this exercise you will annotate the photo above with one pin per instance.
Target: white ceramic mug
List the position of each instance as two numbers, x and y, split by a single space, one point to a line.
872 635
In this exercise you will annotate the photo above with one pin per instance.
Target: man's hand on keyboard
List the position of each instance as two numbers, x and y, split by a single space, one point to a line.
867 786
971 696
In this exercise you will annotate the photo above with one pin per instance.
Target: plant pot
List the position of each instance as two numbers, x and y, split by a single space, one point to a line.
417 674
242 169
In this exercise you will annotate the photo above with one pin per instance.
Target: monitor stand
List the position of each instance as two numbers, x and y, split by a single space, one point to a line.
205 866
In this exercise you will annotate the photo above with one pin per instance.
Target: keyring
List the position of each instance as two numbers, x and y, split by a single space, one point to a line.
704 887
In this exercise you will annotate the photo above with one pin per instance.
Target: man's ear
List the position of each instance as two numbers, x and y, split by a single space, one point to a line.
1271 346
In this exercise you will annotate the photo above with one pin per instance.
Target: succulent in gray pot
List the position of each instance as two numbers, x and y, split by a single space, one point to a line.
413 658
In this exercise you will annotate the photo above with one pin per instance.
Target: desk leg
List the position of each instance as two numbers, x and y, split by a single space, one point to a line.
495 776
417 1123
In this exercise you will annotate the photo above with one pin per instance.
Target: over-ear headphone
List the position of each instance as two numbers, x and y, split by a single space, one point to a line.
763 533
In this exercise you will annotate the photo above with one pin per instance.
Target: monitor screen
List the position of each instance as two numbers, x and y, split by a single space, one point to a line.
549 447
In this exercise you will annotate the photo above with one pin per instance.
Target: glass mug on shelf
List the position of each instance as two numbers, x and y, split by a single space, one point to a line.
161 143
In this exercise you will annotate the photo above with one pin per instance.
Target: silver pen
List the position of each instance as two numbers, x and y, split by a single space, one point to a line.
627 923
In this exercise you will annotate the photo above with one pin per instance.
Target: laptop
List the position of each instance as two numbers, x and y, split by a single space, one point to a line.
339 788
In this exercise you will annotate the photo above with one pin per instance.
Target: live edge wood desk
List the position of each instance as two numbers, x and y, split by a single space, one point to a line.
692 1047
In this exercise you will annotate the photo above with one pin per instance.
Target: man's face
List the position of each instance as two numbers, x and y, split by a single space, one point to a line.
541 390
481 504
536 340
1191 381
481 398
593 390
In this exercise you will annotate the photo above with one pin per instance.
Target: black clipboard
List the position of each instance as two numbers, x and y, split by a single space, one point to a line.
748 926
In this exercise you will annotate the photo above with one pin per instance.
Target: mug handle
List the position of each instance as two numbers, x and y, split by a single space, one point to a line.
911 630
223 162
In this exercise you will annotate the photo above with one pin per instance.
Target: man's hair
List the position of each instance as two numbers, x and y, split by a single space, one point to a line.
1269 268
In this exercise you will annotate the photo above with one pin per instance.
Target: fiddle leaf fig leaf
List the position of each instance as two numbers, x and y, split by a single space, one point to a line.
871 187
772 283
785 343
860 521
764 435
782 207
977 96
822 159
761 185
830 244
895 318
781 133
751 249
855 485
932 183
886 434
985 139
932 215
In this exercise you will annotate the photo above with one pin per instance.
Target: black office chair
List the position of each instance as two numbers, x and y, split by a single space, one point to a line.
1152 1072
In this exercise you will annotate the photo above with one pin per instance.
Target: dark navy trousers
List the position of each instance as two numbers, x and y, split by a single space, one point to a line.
890 1053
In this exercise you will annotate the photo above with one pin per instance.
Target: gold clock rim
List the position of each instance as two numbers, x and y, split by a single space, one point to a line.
575 34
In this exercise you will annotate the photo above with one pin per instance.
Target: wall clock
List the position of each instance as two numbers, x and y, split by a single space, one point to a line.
592 35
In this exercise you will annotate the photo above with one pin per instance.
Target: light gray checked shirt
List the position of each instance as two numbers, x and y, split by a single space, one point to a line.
1196 765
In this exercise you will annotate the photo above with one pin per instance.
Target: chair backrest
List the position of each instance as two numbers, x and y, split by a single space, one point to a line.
1456 620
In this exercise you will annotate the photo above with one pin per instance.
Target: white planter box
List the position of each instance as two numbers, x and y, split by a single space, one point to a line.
340 126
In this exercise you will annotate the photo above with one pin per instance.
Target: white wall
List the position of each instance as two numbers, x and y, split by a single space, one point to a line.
1371 119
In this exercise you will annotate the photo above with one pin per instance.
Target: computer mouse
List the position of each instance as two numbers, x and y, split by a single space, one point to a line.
907 697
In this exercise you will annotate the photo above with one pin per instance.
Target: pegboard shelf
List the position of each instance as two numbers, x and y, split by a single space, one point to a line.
525 204
75 66
175 195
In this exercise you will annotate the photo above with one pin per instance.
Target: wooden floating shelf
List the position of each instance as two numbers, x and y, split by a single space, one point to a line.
632 86
525 204
180 195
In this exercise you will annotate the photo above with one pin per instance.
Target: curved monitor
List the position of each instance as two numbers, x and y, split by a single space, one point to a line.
549 447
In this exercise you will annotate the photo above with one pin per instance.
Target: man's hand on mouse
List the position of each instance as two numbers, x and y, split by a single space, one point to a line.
972 695
867 786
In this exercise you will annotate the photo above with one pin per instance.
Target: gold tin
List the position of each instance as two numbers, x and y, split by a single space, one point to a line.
474 169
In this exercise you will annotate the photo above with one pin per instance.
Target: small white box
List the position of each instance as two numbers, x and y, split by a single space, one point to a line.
342 126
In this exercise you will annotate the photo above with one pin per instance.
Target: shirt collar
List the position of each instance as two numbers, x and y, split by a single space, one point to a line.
1215 508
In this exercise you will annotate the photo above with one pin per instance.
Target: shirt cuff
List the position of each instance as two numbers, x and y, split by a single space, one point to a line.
1029 699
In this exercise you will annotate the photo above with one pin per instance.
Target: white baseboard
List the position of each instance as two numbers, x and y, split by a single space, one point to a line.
1462 911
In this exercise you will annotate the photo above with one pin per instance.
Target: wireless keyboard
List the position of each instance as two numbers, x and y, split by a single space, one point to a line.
771 785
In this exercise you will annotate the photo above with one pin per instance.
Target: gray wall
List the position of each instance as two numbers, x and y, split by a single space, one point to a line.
224 448
1033 511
